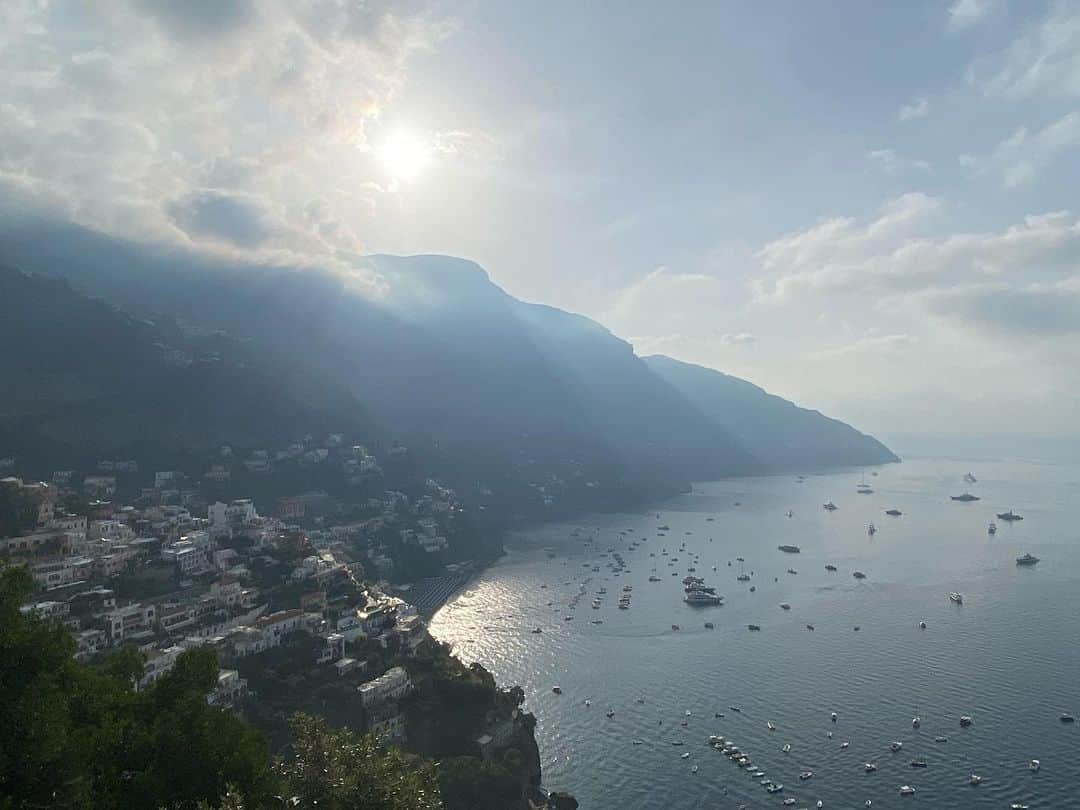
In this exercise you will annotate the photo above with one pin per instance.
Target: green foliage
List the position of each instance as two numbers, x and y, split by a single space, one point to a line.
470 783
338 770
18 512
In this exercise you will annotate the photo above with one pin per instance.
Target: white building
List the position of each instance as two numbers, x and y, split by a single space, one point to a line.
391 685
158 663
230 688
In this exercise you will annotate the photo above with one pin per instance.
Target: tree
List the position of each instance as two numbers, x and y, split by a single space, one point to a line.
338 770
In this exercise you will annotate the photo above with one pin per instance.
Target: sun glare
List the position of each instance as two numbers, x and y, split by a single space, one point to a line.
404 155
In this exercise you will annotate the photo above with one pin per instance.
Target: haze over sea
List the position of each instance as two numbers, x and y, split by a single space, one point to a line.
1008 656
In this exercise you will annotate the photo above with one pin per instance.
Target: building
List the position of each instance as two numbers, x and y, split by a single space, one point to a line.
333 650
61 572
388 725
158 663
133 621
230 688
391 685
89 643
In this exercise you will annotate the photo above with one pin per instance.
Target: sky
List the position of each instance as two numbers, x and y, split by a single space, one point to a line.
869 208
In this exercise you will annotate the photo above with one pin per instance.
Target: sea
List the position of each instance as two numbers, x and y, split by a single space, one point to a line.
1008 657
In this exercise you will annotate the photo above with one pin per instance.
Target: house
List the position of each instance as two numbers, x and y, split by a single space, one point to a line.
333 650
89 643
61 572
346 665
47 610
133 621
99 486
230 688
158 663
388 725
391 685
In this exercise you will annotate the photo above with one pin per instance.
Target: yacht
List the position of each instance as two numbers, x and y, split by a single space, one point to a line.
967 497
907 790
992 528
1009 516
806 775
1027 559
956 598
830 507
702 598
870 767
974 779
790 549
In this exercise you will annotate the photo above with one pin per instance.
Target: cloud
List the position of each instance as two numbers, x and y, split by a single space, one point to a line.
738 339
919 108
1043 61
211 120
967 13
1023 155
1018 311
871 344
892 163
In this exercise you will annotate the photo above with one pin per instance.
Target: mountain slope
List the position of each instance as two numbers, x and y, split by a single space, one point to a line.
782 435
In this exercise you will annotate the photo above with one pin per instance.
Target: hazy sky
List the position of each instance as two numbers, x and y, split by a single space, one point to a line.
869 207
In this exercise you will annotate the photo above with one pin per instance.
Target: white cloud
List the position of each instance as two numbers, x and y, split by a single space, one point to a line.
1043 61
1023 156
871 344
919 108
206 122
893 163
737 339
967 13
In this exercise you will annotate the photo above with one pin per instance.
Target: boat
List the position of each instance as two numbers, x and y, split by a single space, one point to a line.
694 769
785 606
1018 806
871 530
638 742
792 571
992 528
918 763
969 478
833 717
753 627
685 755
907 790
709 625
702 598
1034 765
806 775
830 567
743 577
1009 516
1027 559
557 690
896 746
865 490
655 578
870 767
941 739
810 627
787 748
610 713
789 513
967 497
965 720
956 598
1065 717
844 745
774 788
769 725
922 625
859 575
974 779
916 721
789 549
674 627
829 507
735 709
893 512
537 630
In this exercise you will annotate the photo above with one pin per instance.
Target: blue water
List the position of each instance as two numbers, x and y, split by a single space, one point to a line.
1008 656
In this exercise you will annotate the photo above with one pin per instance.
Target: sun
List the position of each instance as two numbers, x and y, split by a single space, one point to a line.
404 155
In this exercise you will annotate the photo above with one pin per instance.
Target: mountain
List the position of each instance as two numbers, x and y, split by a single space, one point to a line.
782 435
79 376
422 349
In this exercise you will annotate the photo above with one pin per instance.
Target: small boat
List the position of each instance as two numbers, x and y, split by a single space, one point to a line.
965 720
789 549
871 530
785 606
1027 559
792 571
806 775
870 767
674 627
956 598
789 513
774 788
830 506
557 690
918 763
685 755
735 709
941 739
754 627
922 625
969 478
709 625
769 725
833 717
844 745
1009 516
992 528
743 578
694 769
907 790
638 742
859 575
787 748
916 721
537 630
856 628
893 512
810 627
896 746
1018 806
610 713
974 779
1034 765
830 567
1066 718
967 497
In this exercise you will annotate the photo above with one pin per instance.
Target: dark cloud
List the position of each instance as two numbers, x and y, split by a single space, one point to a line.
240 220
198 19
1046 310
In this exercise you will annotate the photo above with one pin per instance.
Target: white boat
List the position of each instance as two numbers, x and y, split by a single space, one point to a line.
806 775
787 748
916 721
896 746
965 720
844 745
769 725
974 779
694 769
1034 765
833 717
956 598
870 767
557 690
685 755
907 790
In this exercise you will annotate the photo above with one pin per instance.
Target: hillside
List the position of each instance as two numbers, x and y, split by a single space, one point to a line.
782 435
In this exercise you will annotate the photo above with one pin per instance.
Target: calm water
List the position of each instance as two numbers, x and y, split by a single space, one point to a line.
1008 657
